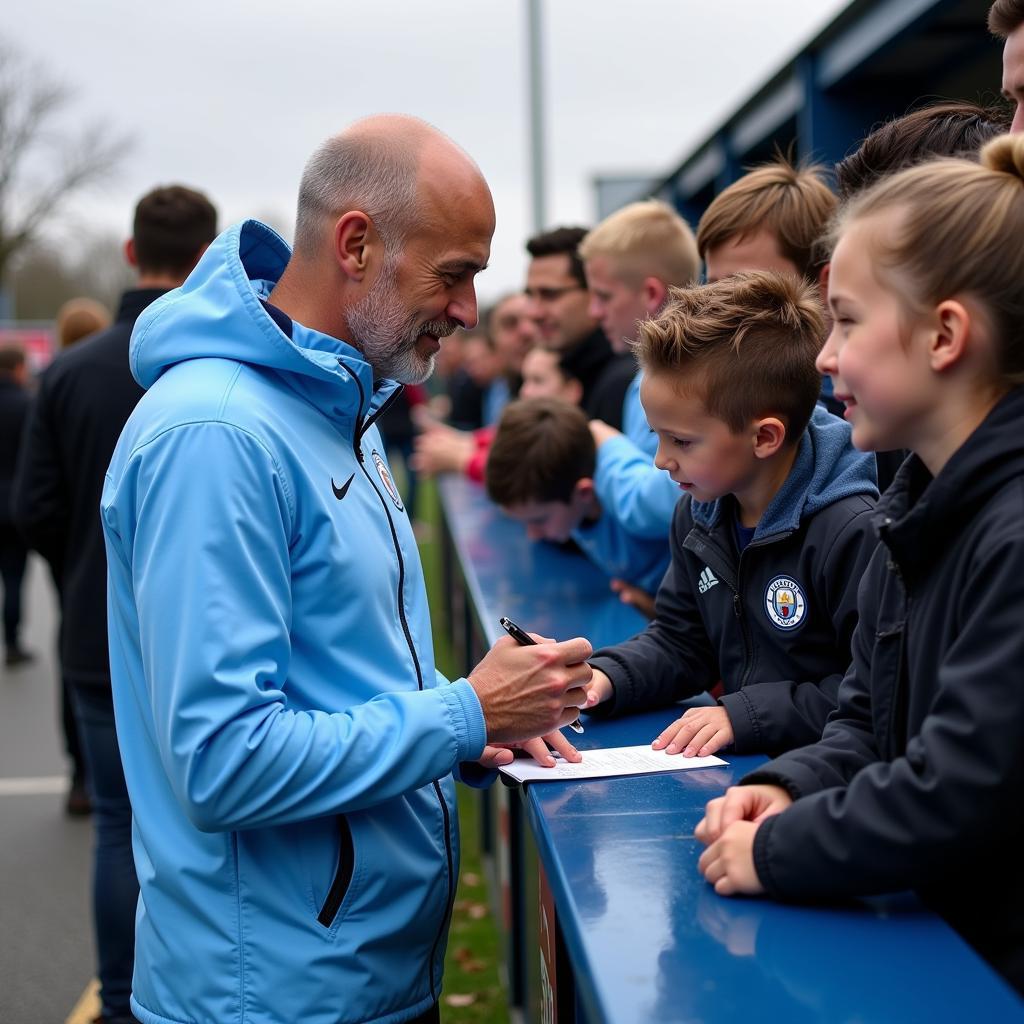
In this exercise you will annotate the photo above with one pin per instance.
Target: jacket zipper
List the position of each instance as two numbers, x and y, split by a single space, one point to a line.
446 815
898 712
342 875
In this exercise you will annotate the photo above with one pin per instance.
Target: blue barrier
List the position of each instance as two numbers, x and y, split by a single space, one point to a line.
606 917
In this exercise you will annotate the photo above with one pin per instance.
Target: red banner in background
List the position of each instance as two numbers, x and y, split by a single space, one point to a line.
36 337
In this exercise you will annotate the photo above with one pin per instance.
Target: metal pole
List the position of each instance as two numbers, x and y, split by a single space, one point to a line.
536 87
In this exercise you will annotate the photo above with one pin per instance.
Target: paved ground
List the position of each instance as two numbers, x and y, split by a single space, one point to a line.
46 952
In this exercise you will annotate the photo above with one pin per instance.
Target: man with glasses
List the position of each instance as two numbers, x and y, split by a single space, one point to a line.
557 289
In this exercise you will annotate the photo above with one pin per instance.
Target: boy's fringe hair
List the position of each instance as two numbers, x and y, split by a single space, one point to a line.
956 228
746 344
793 202
646 239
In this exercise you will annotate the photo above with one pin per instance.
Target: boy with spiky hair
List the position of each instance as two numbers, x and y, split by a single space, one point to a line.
770 539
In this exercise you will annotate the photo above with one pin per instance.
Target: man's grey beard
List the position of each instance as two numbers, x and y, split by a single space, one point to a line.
386 333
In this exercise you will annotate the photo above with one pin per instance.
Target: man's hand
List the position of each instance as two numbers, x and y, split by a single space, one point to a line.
633 595
740 803
600 688
728 863
601 432
538 749
700 732
442 450
527 692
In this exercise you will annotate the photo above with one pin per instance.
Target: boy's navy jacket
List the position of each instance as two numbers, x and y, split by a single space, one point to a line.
287 744
773 623
918 779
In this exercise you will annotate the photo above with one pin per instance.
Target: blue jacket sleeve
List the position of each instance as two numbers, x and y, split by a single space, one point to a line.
210 573
638 494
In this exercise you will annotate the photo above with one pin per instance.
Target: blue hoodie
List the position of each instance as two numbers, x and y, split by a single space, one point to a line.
287 743
638 560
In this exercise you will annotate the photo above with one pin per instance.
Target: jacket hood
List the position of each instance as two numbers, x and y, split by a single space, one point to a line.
827 468
919 513
217 314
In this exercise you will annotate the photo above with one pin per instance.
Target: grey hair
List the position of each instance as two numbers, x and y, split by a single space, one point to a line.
360 171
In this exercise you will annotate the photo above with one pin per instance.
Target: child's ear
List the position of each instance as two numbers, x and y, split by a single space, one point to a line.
948 341
655 294
769 436
823 276
584 489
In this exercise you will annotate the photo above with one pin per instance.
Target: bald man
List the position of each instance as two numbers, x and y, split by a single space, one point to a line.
287 742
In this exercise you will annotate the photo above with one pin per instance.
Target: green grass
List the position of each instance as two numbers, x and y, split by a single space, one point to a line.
473 993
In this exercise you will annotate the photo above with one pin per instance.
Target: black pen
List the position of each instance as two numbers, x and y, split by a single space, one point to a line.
522 637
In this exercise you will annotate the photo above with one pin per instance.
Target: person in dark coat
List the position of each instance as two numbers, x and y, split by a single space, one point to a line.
14 404
556 286
85 397
916 780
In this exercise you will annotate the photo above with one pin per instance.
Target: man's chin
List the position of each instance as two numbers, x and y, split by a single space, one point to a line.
415 373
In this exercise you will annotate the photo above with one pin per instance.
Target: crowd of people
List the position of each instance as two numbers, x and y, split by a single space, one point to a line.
788 436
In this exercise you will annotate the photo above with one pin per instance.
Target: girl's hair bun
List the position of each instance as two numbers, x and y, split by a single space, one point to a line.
1005 155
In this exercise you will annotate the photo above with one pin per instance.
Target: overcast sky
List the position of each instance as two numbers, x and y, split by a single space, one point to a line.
231 97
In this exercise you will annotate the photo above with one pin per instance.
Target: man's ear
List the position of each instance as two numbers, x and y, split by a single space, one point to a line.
130 256
949 333
354 241
769 436
655 294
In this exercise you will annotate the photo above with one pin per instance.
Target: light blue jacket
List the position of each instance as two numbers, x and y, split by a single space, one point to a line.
638 560
641 497
287 744
634 419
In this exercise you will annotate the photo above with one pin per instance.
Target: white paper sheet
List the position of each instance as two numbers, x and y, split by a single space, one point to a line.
599 764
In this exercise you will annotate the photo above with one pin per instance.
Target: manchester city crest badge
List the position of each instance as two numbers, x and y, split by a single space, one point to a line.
785 603
386 479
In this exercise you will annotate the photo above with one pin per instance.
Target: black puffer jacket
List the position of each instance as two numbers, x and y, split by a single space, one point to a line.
918 779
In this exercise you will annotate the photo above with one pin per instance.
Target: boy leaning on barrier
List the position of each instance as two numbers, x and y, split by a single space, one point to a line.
541 471
770 541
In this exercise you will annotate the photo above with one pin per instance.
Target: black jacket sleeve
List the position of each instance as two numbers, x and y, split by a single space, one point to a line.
673 657
871 825
779 715
609 395
40 503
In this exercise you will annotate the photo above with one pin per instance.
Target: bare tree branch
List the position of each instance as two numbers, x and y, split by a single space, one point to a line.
41 166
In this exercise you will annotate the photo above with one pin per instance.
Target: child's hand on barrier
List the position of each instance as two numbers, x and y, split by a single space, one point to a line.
740 803
699 733
728 863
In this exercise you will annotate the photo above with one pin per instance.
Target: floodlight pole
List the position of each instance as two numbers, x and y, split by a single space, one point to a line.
536 86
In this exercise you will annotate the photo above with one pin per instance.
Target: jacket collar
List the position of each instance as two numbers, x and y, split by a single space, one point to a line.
920 514
827 468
